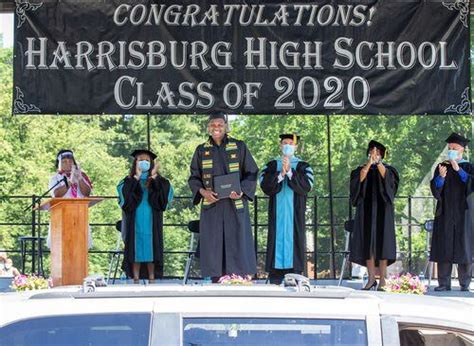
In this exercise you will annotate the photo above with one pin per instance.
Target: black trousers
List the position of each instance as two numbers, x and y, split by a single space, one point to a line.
276 275
444 274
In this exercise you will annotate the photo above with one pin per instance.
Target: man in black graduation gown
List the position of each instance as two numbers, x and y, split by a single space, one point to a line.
287 180
452 229
373 188
226 241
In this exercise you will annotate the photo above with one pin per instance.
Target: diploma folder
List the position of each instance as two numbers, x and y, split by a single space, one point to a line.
225 184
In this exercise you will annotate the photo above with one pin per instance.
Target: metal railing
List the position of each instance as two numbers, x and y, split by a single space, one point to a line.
316 222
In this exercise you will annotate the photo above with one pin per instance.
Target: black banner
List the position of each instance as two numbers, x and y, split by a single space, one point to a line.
240 56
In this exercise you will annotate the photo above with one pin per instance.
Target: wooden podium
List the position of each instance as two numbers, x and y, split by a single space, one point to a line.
69 235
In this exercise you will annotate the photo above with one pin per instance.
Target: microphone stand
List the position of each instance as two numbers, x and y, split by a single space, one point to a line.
32 205
63 180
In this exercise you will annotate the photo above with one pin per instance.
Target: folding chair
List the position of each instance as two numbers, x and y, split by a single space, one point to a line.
115 257
428 227
193 227
348 227
33 241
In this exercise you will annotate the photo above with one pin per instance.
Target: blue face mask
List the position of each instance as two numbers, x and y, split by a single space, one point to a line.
453 154
288 150
144 165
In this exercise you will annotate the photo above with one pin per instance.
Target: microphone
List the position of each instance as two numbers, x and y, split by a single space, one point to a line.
65 181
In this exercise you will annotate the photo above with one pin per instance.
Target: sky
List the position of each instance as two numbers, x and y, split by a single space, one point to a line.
6 29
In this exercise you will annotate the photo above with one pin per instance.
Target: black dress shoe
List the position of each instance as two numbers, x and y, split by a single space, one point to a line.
371 287
465 288
442 289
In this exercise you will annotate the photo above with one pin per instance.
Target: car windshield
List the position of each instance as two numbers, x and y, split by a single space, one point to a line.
96 329
273 331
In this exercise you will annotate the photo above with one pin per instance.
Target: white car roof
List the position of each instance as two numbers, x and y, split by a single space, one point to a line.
243 301
428 310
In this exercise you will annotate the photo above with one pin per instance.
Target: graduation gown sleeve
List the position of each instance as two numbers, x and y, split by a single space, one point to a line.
269 179
469 169
389 184
436 192
160 194
249 173
195 180
357 188
130 193
302 179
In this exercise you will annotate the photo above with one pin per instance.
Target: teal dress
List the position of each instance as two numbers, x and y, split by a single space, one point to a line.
144 226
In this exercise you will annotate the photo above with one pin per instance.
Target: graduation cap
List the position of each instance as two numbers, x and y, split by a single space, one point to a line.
295 137
218 115
143 151
380 147
456 138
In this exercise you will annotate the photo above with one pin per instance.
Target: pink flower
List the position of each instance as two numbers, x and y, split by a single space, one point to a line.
223 279
20 280
24 283
407 283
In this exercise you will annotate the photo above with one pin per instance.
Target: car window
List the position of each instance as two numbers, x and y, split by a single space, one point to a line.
273 331
92 329
425 336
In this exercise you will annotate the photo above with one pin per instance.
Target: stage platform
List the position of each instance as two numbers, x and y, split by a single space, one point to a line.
455 293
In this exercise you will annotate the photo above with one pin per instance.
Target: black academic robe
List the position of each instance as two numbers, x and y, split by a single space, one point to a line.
301 184
452 228
158 198
226 241
373 233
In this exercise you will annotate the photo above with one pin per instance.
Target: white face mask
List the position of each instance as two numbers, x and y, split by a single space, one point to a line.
144 165
453 154
288 149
